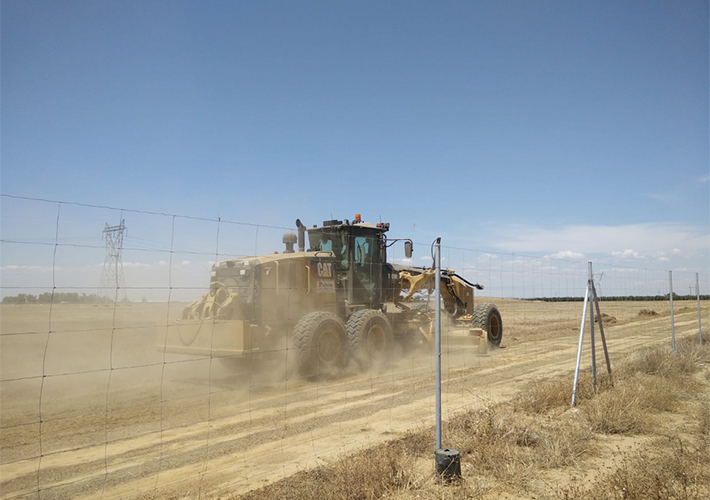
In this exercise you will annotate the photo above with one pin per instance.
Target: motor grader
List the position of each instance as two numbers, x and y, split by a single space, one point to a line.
339 300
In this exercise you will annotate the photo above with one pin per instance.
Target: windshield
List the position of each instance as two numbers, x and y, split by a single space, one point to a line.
329 242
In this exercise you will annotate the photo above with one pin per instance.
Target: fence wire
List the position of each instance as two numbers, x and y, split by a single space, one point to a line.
116 392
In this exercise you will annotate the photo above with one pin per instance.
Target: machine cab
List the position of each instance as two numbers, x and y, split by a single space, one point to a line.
360 258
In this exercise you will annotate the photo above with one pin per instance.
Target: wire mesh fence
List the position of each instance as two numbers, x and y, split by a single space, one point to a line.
180 361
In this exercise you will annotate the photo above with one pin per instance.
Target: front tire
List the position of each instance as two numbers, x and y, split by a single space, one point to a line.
321 342
370 337
487 317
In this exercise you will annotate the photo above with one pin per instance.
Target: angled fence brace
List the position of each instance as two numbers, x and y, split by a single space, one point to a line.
590 296
579 348
601 330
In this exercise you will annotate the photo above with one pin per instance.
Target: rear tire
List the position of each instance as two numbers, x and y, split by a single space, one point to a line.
370 337
487 317
321 342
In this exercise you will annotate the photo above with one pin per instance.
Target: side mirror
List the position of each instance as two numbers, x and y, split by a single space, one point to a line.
408 249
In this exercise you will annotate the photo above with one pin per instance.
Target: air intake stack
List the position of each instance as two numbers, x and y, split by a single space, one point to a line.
289 239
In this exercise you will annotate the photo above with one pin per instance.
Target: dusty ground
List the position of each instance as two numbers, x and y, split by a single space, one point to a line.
90 408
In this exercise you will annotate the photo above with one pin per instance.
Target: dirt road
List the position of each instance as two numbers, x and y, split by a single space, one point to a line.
91 409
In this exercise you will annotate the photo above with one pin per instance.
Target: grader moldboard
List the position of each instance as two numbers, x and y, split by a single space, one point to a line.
339 300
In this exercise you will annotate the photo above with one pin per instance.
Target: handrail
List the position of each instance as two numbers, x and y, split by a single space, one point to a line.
309 280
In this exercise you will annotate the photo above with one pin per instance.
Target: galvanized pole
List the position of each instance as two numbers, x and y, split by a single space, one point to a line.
697 293
590 284
437 338
579 349
670 285
595 300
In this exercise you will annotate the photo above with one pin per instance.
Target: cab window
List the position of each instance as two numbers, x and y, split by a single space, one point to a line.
332 243
362 248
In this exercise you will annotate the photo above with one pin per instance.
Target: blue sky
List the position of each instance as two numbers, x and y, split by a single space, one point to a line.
568 129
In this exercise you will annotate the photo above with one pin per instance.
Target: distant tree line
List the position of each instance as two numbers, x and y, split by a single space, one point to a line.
639 298
56 298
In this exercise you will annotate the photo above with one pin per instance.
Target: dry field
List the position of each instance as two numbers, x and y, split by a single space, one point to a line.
90 408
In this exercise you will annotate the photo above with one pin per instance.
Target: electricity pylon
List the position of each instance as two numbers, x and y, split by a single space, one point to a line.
112 280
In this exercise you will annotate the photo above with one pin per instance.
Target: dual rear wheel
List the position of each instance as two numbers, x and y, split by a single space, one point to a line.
324 343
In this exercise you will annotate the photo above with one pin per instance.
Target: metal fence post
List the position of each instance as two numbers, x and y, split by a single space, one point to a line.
448 462
697 293
437 338
670 286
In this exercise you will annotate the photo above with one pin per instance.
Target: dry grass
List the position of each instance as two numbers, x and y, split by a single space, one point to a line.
509 448
688 359
542 396
366 475
668 468
511 445
616 412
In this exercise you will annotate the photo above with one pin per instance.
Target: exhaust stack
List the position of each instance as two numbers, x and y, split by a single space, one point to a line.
301 235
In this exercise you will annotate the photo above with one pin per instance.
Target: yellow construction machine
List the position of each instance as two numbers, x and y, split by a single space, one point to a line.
338 300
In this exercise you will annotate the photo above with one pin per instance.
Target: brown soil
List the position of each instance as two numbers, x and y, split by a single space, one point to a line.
90 407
